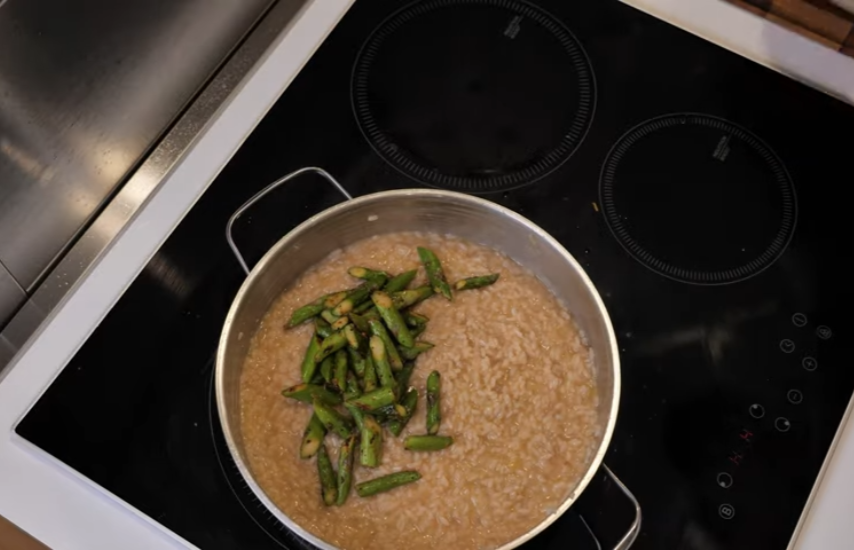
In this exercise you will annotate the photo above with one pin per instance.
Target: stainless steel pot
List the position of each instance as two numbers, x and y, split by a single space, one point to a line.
425 210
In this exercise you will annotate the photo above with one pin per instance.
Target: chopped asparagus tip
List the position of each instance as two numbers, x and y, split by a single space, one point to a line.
307 393
427 442
309 362
332 419
312 437
401 281
386 483
393 320
328 483
434 413
345 469
374 400
380 356
330 345
476 282
435 273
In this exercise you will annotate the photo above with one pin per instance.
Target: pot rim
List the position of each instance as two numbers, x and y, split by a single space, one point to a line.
314 220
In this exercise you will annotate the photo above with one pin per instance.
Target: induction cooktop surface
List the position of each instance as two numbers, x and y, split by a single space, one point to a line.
697 189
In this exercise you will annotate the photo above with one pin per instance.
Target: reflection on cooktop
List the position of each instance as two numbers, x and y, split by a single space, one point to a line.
698 199
476 95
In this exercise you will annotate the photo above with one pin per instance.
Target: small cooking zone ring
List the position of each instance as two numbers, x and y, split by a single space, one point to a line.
473 95
698 199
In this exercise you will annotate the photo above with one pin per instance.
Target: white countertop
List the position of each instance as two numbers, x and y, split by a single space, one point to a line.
65 511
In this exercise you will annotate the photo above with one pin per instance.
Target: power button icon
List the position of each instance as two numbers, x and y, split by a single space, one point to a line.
726 511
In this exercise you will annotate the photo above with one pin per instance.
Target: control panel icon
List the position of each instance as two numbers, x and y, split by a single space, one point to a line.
809 363
757 411
787 346
726 511
795 397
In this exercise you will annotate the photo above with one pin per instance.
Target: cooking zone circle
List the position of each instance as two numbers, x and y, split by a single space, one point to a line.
698 199
473 95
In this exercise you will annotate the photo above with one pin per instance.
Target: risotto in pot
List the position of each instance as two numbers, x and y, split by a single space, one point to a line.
518 399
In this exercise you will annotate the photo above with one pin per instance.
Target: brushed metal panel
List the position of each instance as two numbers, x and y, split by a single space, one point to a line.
86 88
11 295
123 205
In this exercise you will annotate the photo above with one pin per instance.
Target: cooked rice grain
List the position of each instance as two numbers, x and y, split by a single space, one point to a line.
518 396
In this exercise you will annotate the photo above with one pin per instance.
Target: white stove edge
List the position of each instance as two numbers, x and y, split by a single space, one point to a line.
760 40
66 511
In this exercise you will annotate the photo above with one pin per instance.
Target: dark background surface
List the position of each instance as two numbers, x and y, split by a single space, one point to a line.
132 411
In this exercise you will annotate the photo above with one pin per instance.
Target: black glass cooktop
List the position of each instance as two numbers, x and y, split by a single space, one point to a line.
701 192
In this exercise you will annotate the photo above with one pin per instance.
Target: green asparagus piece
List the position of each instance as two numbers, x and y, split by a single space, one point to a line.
434 414
330 345
359 321
380 357
417 331
357 362
329 317
386 483
328 484
317 380
340 323
306 312
372 443
327 369
363 307
408 298
353 390
376 278
345 469
411 353
400 282
403 377
371 437
427 442
374 400
322 327
369 382
415 319
389 412
332 419
476 282
308 392
354 338
332 300
371 315
392 318
354 298
309 363
410 403
312 438
339 378
435 273
335 322
378 329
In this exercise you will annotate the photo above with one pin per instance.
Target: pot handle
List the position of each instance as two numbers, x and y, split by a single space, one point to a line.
629 538
262 193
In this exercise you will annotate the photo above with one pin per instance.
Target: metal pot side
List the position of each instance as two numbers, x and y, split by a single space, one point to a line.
436 211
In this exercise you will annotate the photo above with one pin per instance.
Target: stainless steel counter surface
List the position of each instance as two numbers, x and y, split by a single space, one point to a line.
145 178
86 89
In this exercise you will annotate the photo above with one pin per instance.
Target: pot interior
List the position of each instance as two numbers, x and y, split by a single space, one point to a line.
443 212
